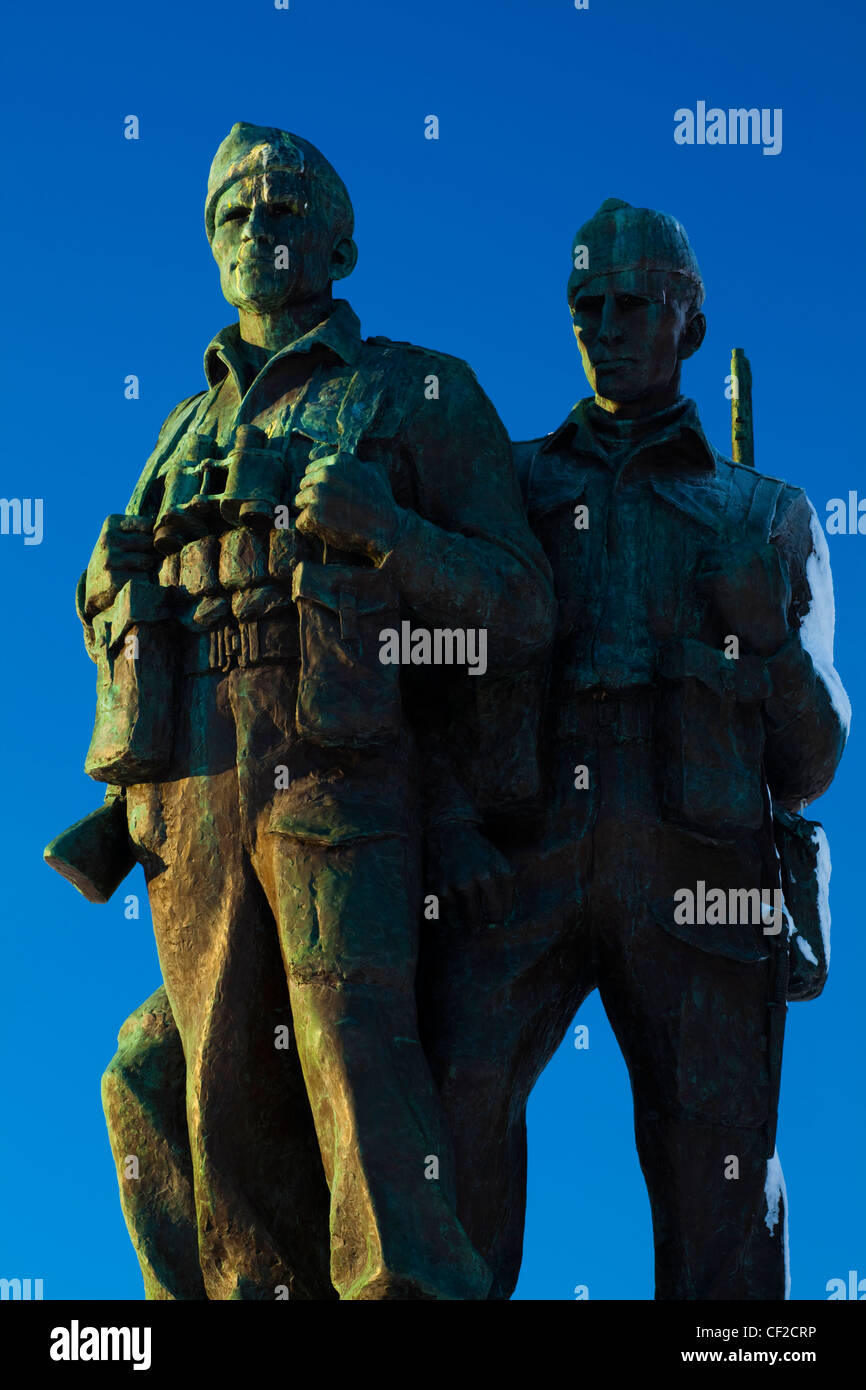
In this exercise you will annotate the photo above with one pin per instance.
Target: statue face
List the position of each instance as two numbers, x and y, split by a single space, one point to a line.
256 217
631 333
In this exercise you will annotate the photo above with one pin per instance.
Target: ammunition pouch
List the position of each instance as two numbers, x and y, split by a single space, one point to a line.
805 868
347 697
134 646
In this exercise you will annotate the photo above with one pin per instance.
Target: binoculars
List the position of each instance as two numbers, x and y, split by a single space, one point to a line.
204 489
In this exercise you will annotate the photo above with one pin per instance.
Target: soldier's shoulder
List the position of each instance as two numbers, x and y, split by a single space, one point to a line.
743 474
174 416
527 448
782 506
523 452
411 352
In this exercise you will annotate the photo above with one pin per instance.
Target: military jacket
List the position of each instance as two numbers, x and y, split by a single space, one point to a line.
465 556
626 517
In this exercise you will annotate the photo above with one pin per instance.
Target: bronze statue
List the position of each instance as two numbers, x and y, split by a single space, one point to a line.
693 711
326 666
278 769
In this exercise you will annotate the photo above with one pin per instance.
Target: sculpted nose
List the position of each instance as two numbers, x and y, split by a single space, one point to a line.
257 228
610 330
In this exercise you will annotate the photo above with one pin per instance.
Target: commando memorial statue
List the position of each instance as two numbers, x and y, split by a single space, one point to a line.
419 739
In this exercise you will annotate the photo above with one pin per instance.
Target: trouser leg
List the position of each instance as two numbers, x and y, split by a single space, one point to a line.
348 917
260 1194
496 1003
143 1095
719 1229
694 1028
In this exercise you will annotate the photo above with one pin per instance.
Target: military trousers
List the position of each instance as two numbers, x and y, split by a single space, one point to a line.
697 1010
284 885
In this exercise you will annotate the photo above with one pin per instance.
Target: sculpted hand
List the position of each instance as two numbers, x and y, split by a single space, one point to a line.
469 875
750 591
348 503
124 548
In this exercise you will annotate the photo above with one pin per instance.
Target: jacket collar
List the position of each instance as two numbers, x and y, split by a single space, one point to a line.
339 334
677 428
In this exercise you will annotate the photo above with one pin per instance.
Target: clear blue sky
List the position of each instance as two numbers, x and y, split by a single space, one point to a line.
464 244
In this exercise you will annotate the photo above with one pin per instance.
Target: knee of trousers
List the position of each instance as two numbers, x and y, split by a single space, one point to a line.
145 1079
348 914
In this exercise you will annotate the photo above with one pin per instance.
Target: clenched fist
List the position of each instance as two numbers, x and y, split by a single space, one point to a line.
124 549
348 503
469 874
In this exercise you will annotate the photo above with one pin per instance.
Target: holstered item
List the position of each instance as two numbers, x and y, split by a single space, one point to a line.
347 698
95 853
805 869
135 687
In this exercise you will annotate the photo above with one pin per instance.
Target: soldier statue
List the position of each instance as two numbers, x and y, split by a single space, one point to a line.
280 781
693 712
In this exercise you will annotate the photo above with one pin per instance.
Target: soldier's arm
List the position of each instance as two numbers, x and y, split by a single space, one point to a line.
808 714
467 557
471 877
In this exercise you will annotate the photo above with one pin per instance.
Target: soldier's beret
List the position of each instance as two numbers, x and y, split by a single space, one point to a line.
255 149
621 237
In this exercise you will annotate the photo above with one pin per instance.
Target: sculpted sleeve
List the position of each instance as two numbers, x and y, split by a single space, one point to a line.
467 557
808 715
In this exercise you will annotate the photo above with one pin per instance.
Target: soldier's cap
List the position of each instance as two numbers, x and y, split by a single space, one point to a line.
256 149
621 237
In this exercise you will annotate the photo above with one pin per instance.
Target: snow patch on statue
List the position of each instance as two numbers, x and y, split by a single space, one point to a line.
818 626
806 950
777 1203
822 874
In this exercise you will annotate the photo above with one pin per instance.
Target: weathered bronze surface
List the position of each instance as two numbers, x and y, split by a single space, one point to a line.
399 812
278 775
693 711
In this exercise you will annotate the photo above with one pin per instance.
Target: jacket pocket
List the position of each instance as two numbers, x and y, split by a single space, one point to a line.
327 811
711 737
347 697
133 733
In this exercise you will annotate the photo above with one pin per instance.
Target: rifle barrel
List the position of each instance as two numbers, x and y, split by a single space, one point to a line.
742 430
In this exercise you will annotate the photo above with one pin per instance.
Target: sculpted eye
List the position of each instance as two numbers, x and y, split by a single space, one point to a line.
233 215
280 209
